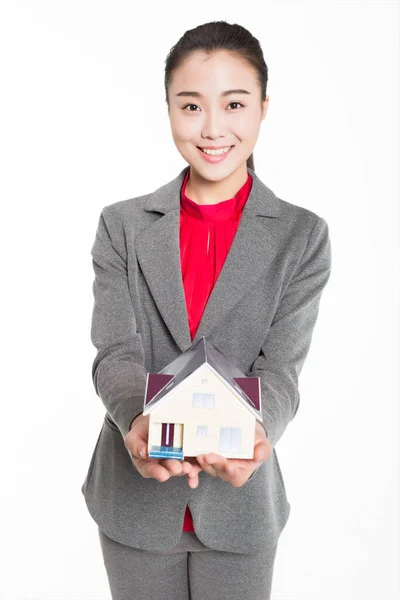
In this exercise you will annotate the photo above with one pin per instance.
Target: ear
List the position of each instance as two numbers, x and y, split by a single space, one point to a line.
264 108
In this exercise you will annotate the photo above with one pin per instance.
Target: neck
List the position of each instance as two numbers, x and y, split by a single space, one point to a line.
204 191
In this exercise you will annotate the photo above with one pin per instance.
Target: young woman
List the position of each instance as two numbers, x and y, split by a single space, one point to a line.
212 253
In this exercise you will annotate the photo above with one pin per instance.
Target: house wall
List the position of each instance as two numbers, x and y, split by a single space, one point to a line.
227 412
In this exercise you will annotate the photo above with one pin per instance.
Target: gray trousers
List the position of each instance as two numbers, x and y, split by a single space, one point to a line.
190 571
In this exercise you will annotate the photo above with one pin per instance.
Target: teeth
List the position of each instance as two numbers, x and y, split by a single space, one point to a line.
216 152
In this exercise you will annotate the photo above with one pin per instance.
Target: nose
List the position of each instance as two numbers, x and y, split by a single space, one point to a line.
214 125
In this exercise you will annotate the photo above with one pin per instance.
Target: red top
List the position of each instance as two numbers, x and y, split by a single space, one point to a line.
206 235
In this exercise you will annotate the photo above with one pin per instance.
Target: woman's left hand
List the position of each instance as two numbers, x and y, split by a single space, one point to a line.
236 471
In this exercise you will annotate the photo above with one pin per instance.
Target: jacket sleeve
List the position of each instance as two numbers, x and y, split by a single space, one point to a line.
118 372
284 351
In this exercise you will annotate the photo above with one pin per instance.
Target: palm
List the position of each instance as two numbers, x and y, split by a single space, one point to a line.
237 470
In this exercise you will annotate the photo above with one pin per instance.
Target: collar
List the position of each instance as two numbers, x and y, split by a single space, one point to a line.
220 211
261 200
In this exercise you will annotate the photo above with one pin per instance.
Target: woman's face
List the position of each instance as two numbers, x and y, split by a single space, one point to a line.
201 115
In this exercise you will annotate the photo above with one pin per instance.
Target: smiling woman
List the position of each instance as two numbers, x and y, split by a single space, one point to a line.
213 253
222 124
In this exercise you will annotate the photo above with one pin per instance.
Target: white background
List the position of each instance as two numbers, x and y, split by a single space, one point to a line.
84 124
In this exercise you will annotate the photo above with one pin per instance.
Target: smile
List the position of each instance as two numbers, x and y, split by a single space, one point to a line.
215 155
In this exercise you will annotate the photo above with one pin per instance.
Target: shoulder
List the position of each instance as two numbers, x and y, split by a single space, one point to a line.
297 227
127 217
309 228
299 215
125 209
291 217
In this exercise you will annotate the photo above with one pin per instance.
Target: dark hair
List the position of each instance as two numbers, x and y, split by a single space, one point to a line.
219 35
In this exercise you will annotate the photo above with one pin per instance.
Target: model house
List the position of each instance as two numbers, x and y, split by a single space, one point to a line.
200 403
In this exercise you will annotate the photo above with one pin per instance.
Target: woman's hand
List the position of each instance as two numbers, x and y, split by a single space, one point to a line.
237 470
136 442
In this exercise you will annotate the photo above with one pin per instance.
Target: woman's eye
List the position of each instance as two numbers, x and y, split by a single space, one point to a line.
195 105
236 103
189 105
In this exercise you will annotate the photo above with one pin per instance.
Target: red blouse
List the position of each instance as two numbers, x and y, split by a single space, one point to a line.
206 235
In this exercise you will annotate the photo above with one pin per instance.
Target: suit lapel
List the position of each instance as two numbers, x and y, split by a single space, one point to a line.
158 252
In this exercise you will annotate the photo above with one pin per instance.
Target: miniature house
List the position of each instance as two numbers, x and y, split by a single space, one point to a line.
200 403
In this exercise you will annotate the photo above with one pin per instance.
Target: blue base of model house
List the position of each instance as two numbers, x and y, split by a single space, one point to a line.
165 452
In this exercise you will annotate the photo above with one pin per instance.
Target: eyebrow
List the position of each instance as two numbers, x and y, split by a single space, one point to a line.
227 93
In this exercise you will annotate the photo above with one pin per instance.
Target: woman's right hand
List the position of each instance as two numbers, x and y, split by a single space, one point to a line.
161 469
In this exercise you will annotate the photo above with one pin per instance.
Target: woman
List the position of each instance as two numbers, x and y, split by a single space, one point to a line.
212 253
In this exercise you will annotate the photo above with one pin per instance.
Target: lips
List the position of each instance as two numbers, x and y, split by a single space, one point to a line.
215 158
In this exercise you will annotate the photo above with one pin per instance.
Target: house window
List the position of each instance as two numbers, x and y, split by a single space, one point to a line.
201 400
202 431
229 439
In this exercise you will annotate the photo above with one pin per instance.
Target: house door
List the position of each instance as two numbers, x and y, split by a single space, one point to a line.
167 434
166 449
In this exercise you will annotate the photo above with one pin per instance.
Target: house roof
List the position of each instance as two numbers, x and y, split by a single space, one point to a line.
203 352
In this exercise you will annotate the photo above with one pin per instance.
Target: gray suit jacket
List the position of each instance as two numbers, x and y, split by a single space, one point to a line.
261 313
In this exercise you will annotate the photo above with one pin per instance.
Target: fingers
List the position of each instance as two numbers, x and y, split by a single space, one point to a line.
136 440
205 463
262 446
193 474
163 469
227 469
151 467
193 479
262 450
173 466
